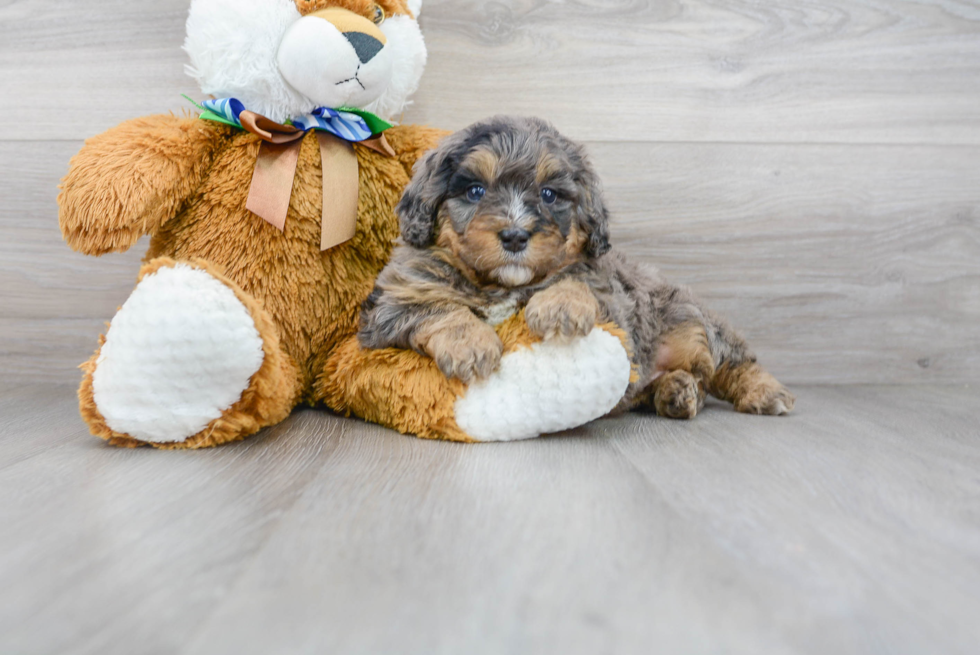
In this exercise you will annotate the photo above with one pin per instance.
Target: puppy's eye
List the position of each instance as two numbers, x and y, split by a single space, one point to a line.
549 196
377 14
475 193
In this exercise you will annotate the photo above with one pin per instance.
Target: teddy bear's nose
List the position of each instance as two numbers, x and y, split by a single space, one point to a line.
365 45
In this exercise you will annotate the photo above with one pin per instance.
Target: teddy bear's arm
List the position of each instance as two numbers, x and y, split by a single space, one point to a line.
128 181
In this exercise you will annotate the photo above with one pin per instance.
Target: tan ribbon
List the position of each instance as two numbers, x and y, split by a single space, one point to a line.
275 171
272 182
339 191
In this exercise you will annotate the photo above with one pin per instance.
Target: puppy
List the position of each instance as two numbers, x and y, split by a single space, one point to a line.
508 215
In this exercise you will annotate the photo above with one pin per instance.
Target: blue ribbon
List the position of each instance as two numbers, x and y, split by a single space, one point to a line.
342 124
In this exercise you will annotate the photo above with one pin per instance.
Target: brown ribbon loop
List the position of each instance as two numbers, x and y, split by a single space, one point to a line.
275 171
268 130
379 144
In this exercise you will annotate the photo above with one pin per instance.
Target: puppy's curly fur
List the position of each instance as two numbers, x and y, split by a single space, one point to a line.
509 214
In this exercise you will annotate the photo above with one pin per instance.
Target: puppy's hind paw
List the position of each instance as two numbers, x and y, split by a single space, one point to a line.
766 397
678 396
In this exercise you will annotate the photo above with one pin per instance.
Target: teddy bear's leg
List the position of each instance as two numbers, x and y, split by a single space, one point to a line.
540 388
400 389
189 361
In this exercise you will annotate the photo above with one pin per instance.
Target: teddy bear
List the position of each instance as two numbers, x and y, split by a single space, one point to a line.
270 215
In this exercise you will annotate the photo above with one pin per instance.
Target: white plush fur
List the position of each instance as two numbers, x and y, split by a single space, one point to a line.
318 61
180 351
549 387
415 6
234 47
408 62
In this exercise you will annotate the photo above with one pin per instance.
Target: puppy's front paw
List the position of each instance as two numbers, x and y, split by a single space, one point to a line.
469 353
565 310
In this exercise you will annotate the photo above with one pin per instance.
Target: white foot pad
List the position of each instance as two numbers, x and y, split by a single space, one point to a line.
179 353
546 388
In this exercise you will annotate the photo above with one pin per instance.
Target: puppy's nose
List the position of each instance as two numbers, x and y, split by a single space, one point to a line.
515 239
365 45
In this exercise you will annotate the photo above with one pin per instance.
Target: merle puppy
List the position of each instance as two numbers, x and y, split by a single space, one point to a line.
507 215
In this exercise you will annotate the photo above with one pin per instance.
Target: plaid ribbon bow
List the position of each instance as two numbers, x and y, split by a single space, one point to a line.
351 125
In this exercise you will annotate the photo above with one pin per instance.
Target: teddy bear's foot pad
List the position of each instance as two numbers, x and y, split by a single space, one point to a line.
548 387
180 352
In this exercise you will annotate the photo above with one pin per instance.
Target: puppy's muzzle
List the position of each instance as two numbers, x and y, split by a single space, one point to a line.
514 239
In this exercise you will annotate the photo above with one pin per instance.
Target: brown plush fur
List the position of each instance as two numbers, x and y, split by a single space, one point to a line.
362 7
460 264
185 182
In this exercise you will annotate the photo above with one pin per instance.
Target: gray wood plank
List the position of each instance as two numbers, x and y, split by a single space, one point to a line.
844 71
839 263
552 546
850 527
36 418
855 71
855 503
106 550
48 350
74 69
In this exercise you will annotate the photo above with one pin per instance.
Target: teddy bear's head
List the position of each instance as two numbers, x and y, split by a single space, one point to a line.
285 58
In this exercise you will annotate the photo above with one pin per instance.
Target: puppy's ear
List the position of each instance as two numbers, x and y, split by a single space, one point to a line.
594 217
420 203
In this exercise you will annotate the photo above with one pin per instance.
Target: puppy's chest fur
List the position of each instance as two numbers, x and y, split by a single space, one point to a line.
498 310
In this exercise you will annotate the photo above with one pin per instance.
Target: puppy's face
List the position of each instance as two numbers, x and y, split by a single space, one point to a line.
511 199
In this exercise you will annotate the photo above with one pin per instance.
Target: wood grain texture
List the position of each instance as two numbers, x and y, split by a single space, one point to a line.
855 71
839 263
740 143
850 527
848 71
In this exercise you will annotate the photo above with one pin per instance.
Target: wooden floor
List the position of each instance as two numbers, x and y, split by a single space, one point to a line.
851 527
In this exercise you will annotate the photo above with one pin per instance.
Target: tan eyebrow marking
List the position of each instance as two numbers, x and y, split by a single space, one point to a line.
548 166
484 162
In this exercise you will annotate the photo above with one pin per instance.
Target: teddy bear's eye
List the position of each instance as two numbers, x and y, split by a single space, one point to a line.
377 14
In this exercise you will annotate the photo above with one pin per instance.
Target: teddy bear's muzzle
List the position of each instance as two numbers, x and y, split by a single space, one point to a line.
336 58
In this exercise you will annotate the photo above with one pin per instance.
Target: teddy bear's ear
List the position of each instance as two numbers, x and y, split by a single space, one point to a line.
306 7
425 193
